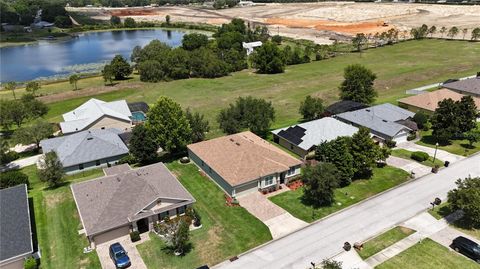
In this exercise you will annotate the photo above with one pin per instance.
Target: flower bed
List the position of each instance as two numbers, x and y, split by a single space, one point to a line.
293 185
229 201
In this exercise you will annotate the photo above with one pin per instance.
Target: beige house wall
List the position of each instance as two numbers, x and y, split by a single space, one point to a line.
14 265
109 122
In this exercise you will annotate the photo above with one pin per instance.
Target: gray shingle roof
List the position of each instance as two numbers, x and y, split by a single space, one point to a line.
381 118
321 130
115 200
15 229
470 85
86 146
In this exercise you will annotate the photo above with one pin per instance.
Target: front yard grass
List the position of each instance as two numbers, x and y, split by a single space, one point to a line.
462 225
57 223
428 254
383 179
405 154
383 241
226 231
460 147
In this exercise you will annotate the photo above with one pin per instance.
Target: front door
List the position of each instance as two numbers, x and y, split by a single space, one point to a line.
142 225
282 178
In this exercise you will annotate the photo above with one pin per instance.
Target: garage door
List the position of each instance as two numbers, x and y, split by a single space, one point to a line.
111 235
401 138
247 188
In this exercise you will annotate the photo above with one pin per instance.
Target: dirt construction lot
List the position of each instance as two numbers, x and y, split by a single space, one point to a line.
315 21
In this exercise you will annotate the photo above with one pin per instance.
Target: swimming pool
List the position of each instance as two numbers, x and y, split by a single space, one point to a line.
138 116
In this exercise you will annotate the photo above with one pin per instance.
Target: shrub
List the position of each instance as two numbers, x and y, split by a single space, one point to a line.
197 219
427 126
127 159
12 178
277 39
419 156
420 119
411 136
30 263
8 157
135 236
390 143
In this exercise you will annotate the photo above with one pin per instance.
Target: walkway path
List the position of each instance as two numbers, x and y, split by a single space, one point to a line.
20 163
441 154
409 166
279 221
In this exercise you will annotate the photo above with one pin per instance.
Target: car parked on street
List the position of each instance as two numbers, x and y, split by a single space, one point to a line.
119 256
467 247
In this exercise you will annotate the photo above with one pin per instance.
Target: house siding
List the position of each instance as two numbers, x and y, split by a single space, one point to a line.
291 147
92 165
106 122
18 264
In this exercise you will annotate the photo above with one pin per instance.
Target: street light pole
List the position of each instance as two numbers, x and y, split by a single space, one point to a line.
435 155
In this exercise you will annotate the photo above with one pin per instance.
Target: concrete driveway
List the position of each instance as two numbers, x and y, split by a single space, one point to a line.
20 163
409 166
279 221
135 258
441 154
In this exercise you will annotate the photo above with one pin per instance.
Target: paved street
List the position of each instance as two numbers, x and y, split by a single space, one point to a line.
325 238
441 154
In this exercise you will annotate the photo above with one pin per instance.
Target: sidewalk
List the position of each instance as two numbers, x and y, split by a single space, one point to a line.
441 154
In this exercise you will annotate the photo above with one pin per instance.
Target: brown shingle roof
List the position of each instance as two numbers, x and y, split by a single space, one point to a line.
116 199
429 100
243 157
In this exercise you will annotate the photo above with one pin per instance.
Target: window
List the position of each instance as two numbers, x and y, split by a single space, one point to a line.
291 171
291 146
268 180
180 210
80 166
97 163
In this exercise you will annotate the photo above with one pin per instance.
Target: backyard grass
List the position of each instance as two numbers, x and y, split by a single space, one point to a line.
383 241
464 226
57 223
226 231
399 67
405 154
428 254
383 179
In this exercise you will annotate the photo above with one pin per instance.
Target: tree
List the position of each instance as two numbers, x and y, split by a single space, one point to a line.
33 133
115 20
32 107
452 32
50 169
120 67
464 32
331 264
180 239
365 153
320 182
150 71
359 41
33 87
465 197
432 30
63 22
12 178
167 19
14 112
420 119
108 74
129 23
136 53
443 30
247 113
444 120
472 137
475 34
142 145
73 79
205 63
358 84
268 59
311 108
194 41
467 114
337 152
198 124
169 125
177 64
11 86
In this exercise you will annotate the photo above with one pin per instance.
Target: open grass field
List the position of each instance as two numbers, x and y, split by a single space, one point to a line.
444 210
428 254
405 154
226 231
383 241
459 147
383 179
57 223
399 67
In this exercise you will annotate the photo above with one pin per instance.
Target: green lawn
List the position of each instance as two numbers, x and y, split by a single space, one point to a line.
57 223
464 226
226 231
459 147
399 67
383 179
383 241
405 154
428 254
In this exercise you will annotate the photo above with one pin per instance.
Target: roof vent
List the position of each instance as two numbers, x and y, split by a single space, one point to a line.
238 144
118 179
90 138
231 139
368 110
384 120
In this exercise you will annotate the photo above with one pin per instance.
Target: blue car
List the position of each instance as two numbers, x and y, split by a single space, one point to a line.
119 256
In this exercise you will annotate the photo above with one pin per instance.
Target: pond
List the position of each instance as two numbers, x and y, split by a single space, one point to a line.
87 53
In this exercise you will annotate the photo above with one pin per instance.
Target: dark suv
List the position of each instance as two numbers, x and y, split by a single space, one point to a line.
467 247
119 256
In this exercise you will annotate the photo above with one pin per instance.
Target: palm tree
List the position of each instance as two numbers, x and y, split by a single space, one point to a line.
443 30
11 86
452 32
73 81
464 32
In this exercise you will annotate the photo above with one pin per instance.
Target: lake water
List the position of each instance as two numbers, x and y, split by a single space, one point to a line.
87 53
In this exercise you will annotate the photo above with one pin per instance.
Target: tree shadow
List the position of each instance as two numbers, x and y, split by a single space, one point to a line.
467 146
56 186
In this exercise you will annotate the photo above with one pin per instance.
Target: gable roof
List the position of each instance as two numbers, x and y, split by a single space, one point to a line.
91 111
469 85
344 106
243 157
119 198
316 132
381 119
429 100
15 226
86 146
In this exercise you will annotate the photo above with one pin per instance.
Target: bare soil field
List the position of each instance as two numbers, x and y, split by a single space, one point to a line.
320 22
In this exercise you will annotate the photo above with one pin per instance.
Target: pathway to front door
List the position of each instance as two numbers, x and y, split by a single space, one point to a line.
279 221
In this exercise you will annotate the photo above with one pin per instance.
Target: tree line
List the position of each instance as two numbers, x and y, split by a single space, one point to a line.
24 11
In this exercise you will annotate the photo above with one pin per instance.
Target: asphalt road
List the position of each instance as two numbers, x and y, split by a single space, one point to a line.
325 238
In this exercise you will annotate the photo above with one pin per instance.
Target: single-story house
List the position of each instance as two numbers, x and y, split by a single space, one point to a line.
469 86
342 107
97 114
127 199
16 242
303 138
243 162
427 102
87 149
385 121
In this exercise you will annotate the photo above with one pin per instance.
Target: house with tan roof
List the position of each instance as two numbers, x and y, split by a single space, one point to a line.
427 102
243 163
127 199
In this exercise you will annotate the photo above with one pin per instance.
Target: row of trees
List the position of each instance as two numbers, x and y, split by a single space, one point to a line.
24 11
425 31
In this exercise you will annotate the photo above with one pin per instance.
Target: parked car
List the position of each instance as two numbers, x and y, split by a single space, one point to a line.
467 247
119 256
